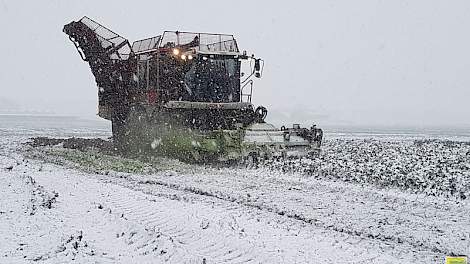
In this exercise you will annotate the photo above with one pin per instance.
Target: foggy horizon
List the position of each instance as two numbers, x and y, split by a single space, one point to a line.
370 63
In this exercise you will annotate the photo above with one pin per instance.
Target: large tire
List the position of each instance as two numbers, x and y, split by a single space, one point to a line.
130 131
118 129
250 161
137 131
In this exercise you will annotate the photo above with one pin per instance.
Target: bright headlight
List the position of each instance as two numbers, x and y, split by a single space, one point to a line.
190 57
176 52
183 57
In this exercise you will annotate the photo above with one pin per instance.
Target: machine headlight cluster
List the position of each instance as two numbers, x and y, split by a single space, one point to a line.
182 55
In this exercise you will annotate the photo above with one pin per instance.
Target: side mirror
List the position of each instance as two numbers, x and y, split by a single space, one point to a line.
257 68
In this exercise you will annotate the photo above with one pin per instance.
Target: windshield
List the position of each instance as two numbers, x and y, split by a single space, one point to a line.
213 80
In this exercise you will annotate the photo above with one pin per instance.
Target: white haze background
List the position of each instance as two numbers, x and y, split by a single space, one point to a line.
384 63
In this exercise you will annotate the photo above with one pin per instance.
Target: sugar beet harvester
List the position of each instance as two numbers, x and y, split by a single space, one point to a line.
182 94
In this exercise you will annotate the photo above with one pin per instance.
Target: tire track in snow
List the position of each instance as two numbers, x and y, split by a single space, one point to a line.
174 198
232 203
297 216
181 228
185 231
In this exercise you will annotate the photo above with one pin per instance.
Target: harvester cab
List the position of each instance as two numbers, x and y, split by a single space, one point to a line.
183 94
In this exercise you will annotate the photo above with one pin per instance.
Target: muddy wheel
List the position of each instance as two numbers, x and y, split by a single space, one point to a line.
117 134
118 128
250 161
137 133
130 133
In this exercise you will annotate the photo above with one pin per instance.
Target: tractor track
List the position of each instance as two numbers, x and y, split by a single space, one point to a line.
190 242
236 202
156 215
178 216
228 200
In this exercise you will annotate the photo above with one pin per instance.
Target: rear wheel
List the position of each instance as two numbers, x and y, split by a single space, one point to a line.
250 161
130 131
137 132
118 129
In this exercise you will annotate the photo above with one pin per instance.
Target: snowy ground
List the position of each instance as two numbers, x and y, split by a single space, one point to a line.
61 206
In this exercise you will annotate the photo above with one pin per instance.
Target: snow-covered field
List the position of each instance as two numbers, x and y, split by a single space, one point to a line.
61 206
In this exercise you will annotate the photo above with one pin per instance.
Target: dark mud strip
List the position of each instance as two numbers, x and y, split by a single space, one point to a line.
82 144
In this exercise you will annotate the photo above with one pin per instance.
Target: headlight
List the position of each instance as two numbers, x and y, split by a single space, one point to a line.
190 57
183 57
176 52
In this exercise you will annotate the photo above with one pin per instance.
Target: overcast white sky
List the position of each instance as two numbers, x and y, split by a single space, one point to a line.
336 62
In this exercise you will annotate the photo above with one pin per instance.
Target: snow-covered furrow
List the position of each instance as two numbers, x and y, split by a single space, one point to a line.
236 188
425 223
52 234
120 224
118 217
231 220
432 224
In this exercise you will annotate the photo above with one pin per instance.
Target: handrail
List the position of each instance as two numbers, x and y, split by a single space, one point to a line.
248 95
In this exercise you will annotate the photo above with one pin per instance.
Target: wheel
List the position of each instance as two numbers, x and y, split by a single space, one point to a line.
137 132
251 161
118 130
130 131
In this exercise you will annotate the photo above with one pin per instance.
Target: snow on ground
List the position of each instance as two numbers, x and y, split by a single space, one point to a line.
55 208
